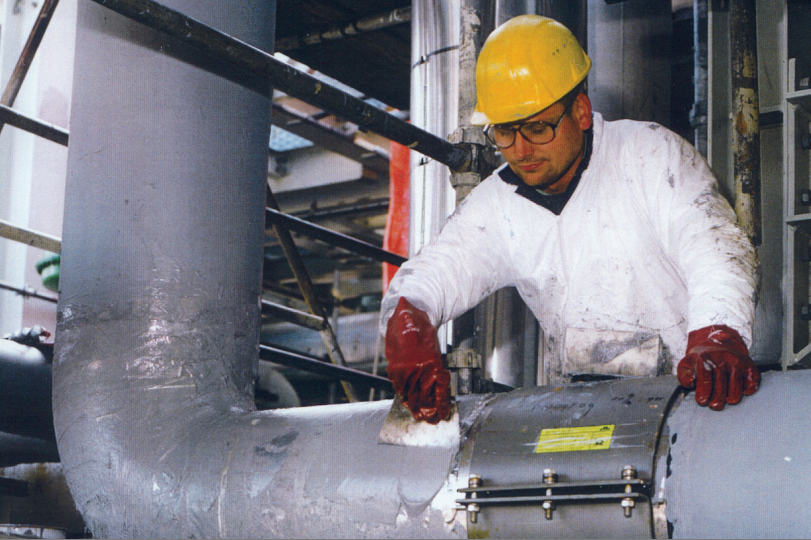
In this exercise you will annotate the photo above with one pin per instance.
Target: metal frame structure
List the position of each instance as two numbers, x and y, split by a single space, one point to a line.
797 345
262 71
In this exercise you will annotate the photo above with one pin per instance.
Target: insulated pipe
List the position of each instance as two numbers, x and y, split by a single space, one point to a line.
25 391
159 311
157 333
746 135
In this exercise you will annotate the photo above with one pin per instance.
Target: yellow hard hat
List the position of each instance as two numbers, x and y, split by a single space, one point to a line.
526 65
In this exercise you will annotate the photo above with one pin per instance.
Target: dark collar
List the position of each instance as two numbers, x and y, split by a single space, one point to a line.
553 203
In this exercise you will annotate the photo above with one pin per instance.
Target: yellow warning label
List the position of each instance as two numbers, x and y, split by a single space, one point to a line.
575 438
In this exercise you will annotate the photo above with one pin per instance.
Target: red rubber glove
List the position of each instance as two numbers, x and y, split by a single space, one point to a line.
717 364
415 364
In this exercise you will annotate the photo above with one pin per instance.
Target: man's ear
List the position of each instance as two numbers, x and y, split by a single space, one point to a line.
581 111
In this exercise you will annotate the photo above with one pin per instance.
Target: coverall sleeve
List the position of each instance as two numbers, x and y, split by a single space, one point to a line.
700 233
465 263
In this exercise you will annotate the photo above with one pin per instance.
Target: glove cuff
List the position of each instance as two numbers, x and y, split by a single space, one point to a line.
717 335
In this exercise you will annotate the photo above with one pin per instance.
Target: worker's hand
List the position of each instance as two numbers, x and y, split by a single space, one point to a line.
415 364
718 366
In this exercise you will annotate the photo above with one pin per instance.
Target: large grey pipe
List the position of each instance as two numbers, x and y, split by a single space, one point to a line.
157 336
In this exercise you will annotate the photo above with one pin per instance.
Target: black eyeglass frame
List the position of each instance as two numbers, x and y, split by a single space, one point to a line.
518 127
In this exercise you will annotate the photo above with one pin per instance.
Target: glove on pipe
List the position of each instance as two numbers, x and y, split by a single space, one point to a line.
718 366
415 364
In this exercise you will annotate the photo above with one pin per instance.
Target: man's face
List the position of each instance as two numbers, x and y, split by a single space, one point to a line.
550 167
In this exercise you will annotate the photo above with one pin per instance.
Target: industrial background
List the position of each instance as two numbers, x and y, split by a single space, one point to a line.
152 195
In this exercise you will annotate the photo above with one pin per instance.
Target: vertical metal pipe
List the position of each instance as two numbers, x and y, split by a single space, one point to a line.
698 116
629 43
158 319
746 136
434 108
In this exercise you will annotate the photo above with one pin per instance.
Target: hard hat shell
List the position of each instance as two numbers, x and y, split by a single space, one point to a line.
526 65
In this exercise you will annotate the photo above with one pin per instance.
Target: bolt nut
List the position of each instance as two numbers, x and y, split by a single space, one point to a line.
474 481
628 472
550 476
805 197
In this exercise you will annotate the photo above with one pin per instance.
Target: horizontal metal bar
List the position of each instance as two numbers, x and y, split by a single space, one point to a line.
31 125
301 318
27 292
558 498
265 68
314 365
618 483
334 238
350 210
32 238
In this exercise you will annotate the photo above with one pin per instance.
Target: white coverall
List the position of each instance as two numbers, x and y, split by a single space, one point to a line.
645 244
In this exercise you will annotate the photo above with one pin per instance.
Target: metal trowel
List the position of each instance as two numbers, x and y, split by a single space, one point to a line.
400 429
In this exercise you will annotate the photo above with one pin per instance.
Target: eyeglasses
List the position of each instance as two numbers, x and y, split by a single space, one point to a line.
503 136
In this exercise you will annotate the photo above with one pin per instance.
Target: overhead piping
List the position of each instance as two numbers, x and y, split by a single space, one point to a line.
366 24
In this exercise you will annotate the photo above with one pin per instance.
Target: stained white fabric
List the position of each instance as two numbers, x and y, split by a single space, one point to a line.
645 244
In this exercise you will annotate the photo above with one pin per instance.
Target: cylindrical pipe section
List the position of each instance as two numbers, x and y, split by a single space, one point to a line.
746 133
158 319
698 115
630 44
434 106
743 472
25 391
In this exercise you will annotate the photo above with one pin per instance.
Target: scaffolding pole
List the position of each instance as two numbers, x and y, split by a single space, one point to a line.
27 55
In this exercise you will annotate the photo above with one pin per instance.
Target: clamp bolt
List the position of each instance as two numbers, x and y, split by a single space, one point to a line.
548 507
473 512
473 481
627 506
628 473
550 476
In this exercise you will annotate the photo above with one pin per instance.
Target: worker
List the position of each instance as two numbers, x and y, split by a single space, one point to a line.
607 226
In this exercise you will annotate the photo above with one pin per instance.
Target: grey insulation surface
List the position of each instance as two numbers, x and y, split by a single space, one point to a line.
743 472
